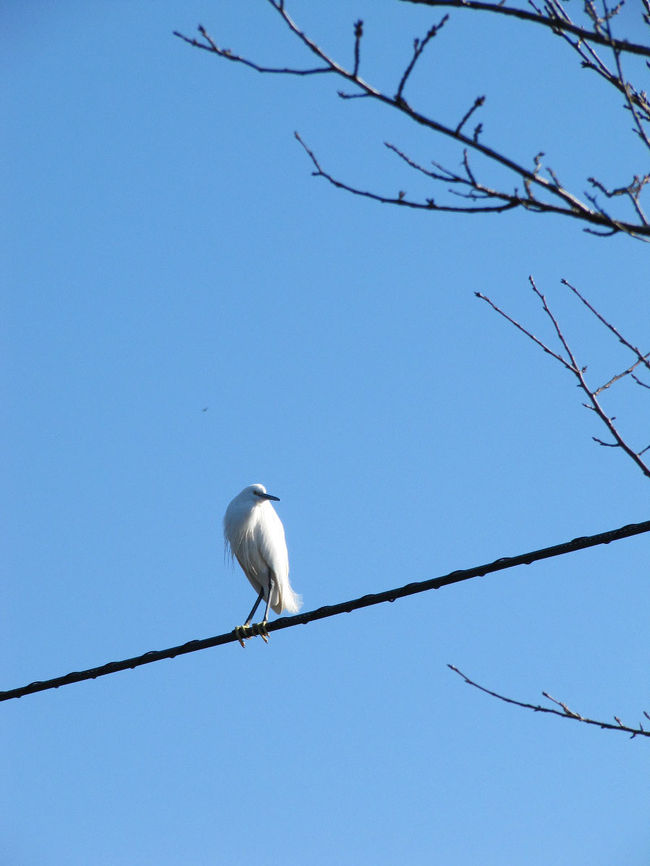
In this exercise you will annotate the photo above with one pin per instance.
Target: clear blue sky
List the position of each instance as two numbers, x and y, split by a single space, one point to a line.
165 249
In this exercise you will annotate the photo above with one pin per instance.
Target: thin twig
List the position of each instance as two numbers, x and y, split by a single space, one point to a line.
626 88
565 713
574 364
358 33
627 372
632 191
478 102
418 47
227 54
524 330
400 198
641 359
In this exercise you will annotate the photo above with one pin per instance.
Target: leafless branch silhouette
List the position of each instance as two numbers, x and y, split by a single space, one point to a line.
564 713
565 355
537 187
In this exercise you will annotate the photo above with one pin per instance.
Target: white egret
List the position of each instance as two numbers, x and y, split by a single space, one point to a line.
255 536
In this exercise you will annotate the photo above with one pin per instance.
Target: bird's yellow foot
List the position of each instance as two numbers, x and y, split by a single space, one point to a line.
240 633
259 628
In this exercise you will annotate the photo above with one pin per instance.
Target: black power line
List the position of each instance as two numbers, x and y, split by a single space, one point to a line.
333 610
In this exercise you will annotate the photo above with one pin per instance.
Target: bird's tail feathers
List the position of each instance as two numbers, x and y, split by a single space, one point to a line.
286 600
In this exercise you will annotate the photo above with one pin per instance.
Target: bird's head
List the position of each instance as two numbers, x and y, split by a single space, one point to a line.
257 493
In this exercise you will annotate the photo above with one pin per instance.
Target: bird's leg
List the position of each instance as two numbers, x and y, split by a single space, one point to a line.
255 606
268 598
240 630
262 626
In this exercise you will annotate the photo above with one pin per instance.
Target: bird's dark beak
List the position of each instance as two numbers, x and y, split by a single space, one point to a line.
268 496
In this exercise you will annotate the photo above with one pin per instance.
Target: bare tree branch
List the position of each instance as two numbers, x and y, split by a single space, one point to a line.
227 54
525 331
641 359
400 199
632 191
565 713
570 363
627 372
601 25
639 382
552 20
634 100
543 192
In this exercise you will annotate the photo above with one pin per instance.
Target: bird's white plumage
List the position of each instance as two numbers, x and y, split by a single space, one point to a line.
255 536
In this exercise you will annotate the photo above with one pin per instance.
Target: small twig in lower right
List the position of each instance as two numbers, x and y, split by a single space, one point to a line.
565 712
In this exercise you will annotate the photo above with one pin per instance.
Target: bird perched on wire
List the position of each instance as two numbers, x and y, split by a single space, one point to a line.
255 536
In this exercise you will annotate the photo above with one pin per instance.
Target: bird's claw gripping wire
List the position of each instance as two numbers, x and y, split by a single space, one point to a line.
259 629
241 633
248 631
